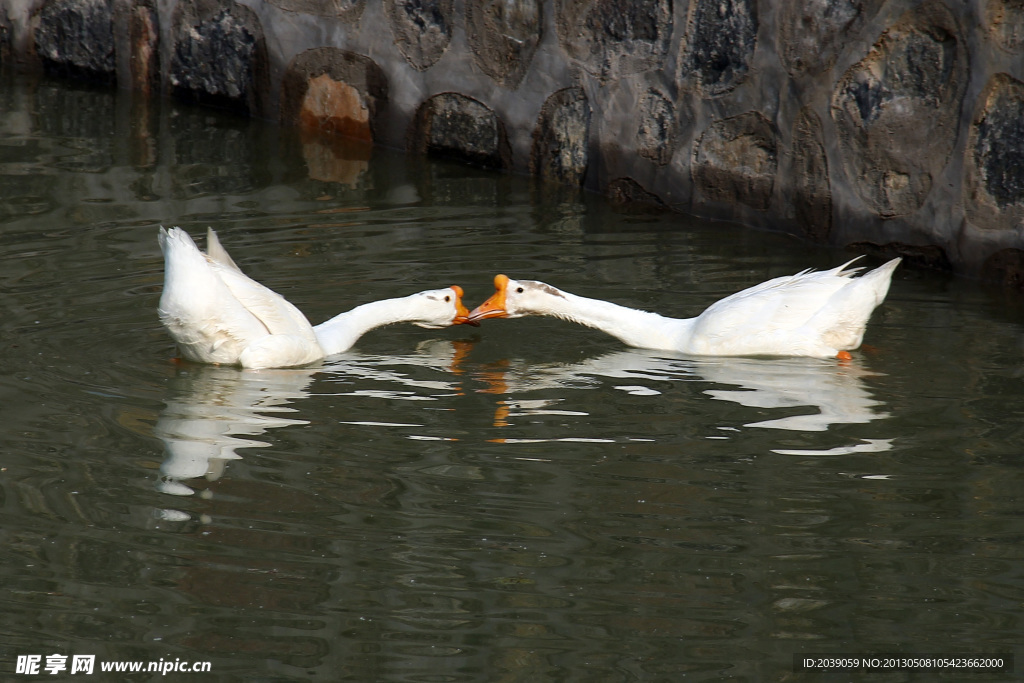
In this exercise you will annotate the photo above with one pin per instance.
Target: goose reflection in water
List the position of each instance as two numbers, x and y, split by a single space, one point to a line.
215 410
837 392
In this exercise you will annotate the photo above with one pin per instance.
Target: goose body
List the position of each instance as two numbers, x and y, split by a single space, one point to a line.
217 314
818 314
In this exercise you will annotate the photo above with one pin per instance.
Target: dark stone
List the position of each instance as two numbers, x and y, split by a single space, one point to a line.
896 110
6 31
422 29
813 32
219 56
613 38
993 168
560 139
348 11
75 38
998 148
927 256
721 39
1006 267
503 37
736 159
657 128
627 195
456 126
812 194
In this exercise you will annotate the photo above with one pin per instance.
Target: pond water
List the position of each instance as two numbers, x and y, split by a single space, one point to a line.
524 501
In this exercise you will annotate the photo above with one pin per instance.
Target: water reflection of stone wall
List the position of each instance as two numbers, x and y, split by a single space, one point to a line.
892 124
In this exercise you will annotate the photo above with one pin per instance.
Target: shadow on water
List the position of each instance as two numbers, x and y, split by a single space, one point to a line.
524 501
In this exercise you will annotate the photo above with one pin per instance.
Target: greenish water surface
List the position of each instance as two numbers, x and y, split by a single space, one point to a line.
524 501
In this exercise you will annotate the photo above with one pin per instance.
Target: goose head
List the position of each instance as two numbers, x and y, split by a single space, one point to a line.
517 298
441 308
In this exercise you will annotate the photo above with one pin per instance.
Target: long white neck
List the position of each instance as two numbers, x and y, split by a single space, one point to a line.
635 328
343 330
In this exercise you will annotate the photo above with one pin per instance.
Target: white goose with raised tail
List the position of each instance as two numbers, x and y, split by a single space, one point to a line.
217 314
818 314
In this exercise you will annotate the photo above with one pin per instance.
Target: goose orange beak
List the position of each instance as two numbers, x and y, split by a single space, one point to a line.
495 306
461 312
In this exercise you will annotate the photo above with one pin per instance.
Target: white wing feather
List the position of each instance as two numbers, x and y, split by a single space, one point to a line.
277 314
782 304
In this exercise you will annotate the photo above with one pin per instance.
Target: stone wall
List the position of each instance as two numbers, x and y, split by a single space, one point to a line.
895 125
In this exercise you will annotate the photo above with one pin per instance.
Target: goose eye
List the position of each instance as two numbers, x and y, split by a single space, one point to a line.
519 290
448 298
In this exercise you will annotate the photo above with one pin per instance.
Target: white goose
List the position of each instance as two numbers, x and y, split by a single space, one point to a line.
818 314
217 314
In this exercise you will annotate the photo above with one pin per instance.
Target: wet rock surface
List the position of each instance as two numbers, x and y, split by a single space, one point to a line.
76 38
422 29
812 33
994 190
1005 20
460 127
219 56
998 141
560 139
896 110
629 196
927 256
811 193
503 37
349 11
721 38
144 31
334 92
1005 267
736 160
657 127
612 38
863 122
